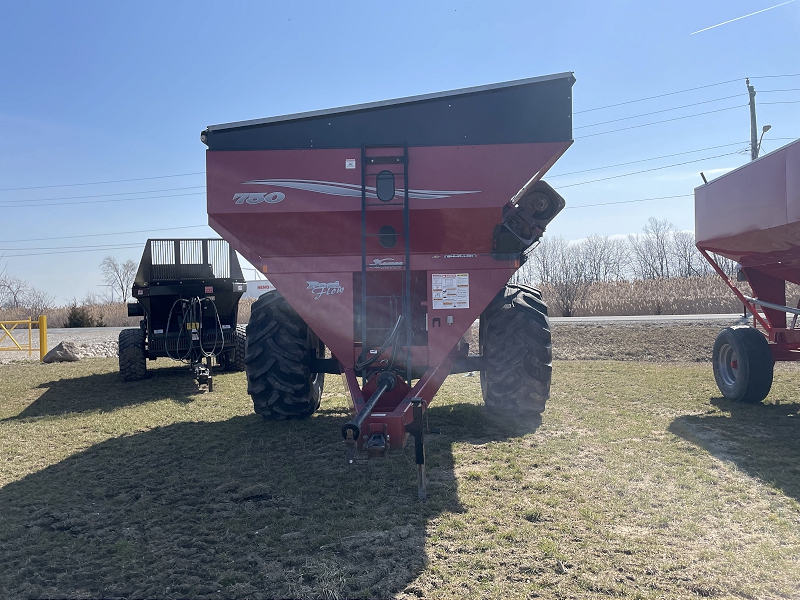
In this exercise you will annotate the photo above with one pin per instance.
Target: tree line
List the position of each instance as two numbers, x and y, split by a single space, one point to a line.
568 270
18 295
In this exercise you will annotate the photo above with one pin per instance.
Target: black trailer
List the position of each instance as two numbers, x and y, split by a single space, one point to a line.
187 291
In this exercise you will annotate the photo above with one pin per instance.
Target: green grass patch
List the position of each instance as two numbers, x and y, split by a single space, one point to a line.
640 482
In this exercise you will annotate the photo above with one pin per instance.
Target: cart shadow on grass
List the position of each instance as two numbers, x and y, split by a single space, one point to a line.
238 508
762 440
106 392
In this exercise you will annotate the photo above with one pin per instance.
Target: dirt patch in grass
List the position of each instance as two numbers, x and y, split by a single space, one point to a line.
680 341
639 483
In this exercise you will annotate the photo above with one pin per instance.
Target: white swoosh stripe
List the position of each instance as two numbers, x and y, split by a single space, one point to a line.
334 188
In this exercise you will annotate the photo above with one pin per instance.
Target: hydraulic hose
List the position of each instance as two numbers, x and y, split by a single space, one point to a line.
364 363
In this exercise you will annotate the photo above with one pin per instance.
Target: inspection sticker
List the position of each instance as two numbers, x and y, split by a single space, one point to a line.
450 291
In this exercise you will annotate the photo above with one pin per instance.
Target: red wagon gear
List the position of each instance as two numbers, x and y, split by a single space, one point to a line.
752 216
388 229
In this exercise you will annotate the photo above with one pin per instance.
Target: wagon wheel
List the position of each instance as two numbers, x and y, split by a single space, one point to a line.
743 364
516 346
278 360
132 360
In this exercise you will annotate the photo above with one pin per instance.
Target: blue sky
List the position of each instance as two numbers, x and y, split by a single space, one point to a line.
110 91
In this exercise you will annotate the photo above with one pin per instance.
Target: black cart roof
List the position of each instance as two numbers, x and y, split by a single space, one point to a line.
488 114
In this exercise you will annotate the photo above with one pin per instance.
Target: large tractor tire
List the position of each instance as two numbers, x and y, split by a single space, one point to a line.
234 359
132 360
278 360
743 364
517 352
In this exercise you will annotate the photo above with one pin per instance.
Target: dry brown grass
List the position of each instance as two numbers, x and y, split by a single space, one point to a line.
244 309
676 296
113 314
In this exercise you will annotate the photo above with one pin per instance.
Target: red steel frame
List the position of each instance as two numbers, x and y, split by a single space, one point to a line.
784 342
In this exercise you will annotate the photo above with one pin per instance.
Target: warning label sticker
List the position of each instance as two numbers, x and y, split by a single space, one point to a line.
450 291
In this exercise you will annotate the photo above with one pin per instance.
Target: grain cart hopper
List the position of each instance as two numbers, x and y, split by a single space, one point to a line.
752 216
388 229
187 292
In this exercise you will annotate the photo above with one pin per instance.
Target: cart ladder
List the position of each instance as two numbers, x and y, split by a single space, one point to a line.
383 167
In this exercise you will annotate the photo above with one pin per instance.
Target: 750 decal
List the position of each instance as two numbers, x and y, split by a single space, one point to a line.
253 198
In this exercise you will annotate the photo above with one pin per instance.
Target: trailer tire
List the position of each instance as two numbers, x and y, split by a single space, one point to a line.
517 351
278 360
235 357
132 360
743 364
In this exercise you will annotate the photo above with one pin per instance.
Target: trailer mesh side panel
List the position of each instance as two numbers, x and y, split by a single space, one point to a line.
189 259
191 252
220 258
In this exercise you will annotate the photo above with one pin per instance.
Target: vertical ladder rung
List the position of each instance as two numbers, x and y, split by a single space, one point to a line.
386 159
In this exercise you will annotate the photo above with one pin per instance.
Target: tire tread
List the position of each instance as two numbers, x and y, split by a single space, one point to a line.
517 348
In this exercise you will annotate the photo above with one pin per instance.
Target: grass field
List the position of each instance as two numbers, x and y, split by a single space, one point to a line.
639 483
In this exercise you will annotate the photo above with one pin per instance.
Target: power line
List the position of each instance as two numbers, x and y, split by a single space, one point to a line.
773 76
85 247
103 201
631 201
664 121
655 112
702 87
649 159
68 237
780 102
43 187
688 162
194 187
682 92
120 247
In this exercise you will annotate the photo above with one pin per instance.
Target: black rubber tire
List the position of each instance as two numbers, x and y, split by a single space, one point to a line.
233 359
278 360
743 364
515 342
132 360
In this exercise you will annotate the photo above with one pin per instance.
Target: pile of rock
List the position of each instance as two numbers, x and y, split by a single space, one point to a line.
68 351
99 350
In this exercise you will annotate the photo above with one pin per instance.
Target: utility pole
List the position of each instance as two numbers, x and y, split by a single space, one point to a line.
753 127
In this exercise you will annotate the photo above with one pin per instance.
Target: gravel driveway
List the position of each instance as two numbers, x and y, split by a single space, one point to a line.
656 340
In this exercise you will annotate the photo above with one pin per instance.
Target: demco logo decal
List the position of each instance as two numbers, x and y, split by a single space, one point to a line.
258 198
386 263
324 289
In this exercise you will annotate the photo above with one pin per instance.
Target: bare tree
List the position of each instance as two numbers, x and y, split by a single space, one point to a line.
651 250
686 259
38 302
730 267
562 267
605 259
13 291
118 277
16 293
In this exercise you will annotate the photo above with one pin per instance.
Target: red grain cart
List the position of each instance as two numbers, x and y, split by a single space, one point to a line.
752 216
388 229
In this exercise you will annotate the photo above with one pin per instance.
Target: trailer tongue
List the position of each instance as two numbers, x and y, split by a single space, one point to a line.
388 229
